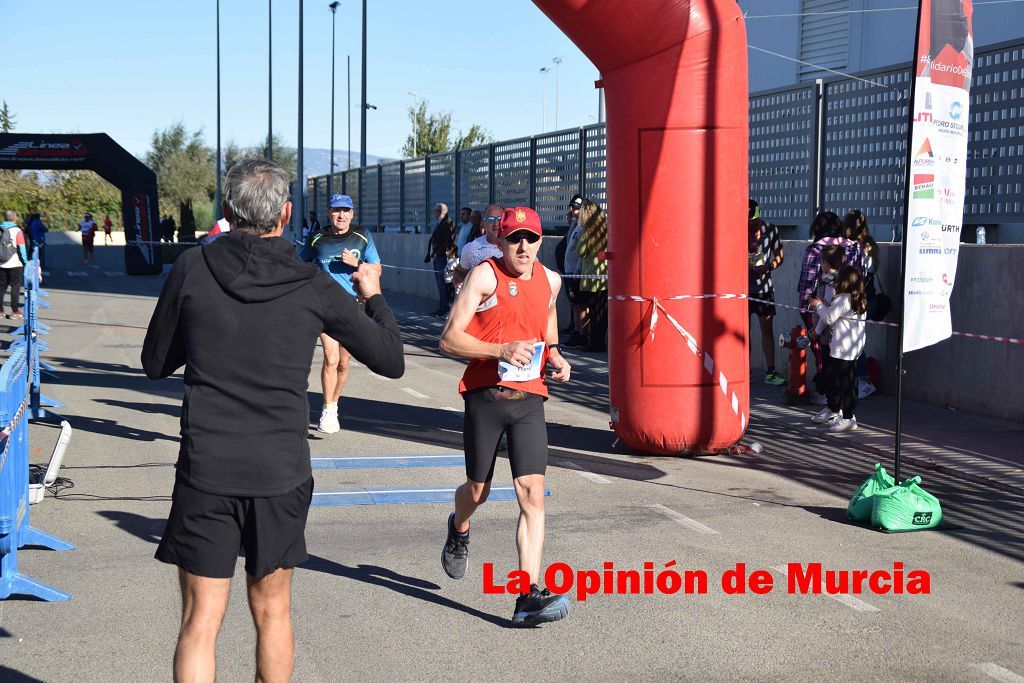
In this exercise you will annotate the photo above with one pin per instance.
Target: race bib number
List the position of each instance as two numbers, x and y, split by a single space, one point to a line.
510 373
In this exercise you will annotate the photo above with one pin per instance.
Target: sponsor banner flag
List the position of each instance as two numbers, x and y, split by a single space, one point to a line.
937 168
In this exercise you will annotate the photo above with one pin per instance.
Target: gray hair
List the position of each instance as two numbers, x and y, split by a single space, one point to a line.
256 191
10 215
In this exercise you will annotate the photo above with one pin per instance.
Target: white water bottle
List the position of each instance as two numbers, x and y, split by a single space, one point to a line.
981 234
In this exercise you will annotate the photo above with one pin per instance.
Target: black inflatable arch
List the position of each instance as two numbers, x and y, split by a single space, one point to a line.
98 152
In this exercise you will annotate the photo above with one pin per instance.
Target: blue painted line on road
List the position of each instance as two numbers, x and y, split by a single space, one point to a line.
360 462
402 496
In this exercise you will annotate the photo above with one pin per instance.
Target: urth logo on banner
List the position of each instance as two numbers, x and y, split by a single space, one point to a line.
75 150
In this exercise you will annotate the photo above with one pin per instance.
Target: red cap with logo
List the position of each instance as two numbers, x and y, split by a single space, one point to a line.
520 218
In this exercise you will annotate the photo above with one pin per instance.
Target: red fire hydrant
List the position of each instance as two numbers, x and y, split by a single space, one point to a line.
797 342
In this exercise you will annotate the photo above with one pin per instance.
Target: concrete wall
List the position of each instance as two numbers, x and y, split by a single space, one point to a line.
967 374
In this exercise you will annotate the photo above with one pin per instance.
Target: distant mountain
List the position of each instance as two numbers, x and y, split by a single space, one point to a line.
317 161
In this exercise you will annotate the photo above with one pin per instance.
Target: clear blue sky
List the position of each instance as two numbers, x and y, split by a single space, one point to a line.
129 67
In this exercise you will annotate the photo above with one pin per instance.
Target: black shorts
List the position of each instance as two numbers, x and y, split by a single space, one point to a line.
494 410
761 309
205 531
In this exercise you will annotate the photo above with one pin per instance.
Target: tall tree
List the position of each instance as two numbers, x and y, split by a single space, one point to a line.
183 165
283 155
7 119
432 133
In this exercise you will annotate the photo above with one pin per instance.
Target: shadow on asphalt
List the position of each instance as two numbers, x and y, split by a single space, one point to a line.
438 427
986 517
15 676
149 529
978 515
405 585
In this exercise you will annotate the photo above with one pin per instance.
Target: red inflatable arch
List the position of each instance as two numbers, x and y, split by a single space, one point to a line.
675 76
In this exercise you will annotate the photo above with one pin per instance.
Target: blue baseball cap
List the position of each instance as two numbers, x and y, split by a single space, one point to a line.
341 201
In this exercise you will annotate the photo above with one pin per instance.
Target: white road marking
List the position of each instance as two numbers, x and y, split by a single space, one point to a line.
691 524
853 603
78 273
372 491
413 392
999 673
387 457
113 273
382 378
586 474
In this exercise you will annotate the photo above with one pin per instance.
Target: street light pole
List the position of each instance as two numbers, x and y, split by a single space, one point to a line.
557 61
544 100
330 174
362 127
415 124
217 200
270 80
348 62
300 178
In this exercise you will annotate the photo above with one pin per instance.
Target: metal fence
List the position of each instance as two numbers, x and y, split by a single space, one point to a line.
20 400
836 143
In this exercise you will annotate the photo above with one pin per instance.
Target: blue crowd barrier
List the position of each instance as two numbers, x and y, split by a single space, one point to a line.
20 399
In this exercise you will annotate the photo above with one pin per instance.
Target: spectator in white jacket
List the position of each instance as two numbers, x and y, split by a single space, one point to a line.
846 317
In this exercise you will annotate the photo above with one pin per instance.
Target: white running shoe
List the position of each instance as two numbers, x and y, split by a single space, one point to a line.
843 425
819 399
824 416
329 423
865 388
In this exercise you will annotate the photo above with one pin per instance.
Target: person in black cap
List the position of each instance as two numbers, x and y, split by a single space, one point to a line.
339 251
440 246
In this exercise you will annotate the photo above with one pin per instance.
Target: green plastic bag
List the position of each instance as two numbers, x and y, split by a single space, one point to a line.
859 508
906 507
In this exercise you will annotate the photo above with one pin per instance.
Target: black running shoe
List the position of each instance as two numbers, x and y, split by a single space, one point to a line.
539 606
455 554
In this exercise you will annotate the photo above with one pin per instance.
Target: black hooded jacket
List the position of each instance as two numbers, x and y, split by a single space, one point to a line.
243 315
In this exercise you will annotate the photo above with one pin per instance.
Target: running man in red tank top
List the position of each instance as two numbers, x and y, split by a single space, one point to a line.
504 322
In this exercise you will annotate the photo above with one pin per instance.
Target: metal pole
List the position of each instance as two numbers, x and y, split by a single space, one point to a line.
330 174
299 173
600 104
270 80
557 61
217 200
362 131
348 59
415 123
903 249
544 99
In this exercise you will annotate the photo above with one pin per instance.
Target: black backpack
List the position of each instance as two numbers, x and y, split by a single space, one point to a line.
8 248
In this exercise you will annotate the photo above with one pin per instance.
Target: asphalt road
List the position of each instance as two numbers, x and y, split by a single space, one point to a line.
373 603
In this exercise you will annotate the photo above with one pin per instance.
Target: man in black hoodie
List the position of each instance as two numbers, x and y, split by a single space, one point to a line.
243 315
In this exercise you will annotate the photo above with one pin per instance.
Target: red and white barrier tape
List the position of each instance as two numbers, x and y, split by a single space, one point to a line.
707 361
151 243
970 335
682 297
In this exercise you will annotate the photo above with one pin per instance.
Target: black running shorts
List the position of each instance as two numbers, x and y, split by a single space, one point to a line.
205 531
490 412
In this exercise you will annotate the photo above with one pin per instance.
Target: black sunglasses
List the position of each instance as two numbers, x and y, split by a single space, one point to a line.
519 236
